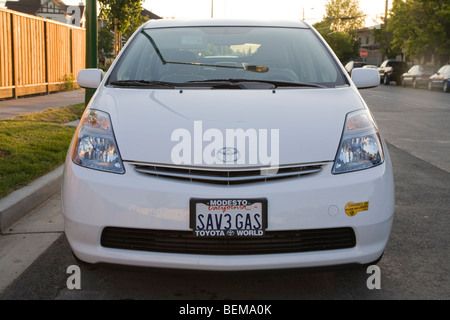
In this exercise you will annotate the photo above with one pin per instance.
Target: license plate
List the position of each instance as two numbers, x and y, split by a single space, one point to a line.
228 217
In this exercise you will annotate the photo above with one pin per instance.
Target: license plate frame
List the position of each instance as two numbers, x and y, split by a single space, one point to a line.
227 218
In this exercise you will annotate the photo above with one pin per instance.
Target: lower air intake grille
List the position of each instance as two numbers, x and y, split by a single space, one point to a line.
185 241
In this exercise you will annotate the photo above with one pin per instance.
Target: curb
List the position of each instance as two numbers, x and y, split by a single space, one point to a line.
20 202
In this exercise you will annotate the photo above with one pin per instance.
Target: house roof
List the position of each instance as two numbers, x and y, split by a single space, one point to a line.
24 6
150 14
34 7
59 3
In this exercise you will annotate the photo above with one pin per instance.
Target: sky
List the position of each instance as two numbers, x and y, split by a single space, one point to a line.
314 10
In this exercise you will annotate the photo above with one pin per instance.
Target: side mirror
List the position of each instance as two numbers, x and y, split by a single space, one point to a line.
90 78
365 78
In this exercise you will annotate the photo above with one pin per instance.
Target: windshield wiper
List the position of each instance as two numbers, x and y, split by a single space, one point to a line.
214 83
279 84
251 84
142 83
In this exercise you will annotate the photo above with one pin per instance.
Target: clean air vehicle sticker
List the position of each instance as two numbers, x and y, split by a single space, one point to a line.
351 208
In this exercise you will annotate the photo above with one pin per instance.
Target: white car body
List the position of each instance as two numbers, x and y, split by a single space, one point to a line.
310 123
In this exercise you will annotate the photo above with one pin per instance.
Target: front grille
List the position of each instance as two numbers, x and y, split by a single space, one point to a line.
185 242
227 175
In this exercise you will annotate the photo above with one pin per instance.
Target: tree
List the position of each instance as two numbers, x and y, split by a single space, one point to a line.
421 27
344 15
122 10
118 15
338 27
134 24
384 39
344 45
105 42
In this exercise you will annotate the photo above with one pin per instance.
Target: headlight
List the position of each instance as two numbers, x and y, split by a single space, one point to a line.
95 146
360 146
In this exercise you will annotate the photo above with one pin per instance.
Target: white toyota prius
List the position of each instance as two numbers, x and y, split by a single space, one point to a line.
227 145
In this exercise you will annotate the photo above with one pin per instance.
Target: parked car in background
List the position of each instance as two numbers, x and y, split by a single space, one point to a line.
370 66
391 70
440 79
354 64
417 76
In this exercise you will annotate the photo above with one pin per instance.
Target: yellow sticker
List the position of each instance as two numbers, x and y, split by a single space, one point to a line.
351 208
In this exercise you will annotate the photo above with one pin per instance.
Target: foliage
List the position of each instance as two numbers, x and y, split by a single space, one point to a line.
344 15
344 45
59 115
122 10
33 145
384 39
68 82
105 43
135 23
338 28
422 27
30 150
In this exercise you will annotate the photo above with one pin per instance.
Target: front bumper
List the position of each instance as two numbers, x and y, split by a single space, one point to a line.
93 200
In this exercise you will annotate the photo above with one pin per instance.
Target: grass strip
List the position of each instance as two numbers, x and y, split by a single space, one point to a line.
32 145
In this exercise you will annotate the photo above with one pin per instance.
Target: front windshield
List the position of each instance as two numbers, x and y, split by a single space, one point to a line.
201 54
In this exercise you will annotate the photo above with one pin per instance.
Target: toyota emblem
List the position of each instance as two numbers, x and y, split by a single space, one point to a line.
228 154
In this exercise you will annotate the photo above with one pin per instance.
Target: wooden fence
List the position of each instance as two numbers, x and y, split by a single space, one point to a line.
38 55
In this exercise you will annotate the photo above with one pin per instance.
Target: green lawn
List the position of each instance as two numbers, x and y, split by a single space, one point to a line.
34 144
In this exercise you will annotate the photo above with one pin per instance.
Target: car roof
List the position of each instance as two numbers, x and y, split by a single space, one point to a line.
169 23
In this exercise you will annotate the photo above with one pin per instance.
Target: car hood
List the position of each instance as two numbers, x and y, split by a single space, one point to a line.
290 126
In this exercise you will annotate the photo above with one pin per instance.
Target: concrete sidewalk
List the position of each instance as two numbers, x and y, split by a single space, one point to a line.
24 241
12 107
